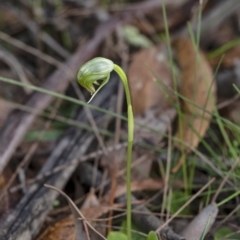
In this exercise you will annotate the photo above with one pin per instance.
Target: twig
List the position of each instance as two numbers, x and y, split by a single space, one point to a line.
73 162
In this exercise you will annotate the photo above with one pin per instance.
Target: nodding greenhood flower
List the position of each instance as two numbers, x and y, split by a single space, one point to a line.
96 69
99 69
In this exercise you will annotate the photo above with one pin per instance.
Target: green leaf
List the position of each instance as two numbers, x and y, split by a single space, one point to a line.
224 231
178 199
152 236
135 38
135 234
117 236
49 135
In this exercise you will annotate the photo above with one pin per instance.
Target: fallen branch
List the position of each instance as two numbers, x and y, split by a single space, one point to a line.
25 221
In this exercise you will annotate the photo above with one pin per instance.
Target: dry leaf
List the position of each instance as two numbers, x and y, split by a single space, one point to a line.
64 229
199 89
148 66
61 230
90 201
71 228
150 80
196 227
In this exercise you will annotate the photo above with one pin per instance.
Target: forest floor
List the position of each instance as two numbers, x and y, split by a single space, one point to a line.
182 61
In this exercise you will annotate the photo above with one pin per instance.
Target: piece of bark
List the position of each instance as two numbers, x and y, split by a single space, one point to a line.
25 221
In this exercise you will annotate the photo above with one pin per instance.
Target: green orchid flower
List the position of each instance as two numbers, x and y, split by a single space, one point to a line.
99 69
92 71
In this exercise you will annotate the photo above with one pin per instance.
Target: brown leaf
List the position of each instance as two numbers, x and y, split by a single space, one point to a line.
90 201
199 92
148 66
64 229
61 230
82 228
150 80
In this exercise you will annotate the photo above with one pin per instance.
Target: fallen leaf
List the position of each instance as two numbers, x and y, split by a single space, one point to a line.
90 201
150 82
82 228
64 229
135 38
61 230
196 227
199 92
147 67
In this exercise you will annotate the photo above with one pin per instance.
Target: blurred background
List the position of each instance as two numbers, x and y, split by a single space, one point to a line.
182 60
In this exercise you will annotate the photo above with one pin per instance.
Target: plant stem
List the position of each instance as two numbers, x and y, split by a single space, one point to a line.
123 77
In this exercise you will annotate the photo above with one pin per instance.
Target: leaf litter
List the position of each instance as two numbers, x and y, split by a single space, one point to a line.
198 90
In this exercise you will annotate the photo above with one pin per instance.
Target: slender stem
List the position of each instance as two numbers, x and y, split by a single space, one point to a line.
123 77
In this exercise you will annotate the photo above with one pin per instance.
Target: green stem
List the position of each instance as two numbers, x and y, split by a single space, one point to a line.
123 77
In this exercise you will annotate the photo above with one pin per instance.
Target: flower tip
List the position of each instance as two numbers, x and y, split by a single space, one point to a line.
96 69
